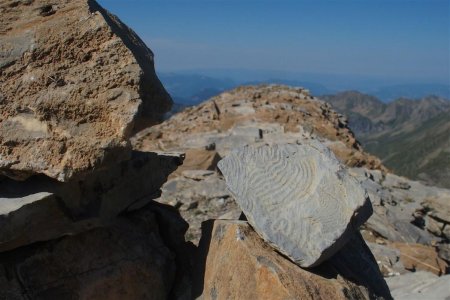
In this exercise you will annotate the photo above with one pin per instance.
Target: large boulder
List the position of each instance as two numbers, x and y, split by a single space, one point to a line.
75 83
41 208
235 263
130 259
298 197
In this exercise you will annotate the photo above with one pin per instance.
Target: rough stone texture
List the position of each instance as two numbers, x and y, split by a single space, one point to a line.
419 286
41 208
237 264
421 257
298 197
388 259
444 252
249 114
75 82
403 209
199 200
198 159
127 260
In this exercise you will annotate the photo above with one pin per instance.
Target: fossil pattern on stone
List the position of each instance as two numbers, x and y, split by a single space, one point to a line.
298 197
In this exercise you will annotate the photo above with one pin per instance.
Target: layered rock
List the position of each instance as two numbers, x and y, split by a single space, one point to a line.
406 212
238 264
200 199
40 208
297 197
129 259
76 82
77 220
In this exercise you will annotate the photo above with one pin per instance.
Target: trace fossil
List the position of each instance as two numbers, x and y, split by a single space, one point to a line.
298 197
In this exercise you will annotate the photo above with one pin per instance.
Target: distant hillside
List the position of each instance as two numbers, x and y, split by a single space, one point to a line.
412 137
389 93
421 153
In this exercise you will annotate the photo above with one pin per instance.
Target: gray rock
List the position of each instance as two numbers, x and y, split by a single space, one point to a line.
127 260
419 285
400 207
197 174
298 197
388 259
444 251
199 200
42 208
438 208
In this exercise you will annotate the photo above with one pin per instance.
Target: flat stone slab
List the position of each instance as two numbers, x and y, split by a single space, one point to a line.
41 208
298 197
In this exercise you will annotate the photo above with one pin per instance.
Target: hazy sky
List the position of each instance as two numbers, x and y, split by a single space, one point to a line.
397 38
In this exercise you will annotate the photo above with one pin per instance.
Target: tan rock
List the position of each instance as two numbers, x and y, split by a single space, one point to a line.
41 208
420 257
127 260
75 83
238 264
198 159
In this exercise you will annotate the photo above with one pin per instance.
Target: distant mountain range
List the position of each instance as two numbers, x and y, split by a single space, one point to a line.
194 88
191 89
411 134
412 137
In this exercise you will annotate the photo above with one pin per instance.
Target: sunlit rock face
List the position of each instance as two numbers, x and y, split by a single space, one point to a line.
75 83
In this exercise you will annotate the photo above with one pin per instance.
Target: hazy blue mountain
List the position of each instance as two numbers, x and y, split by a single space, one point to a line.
192 88
389 93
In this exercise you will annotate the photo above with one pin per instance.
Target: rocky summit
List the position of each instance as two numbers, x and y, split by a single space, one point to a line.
406 232
75 83
257 114
298 197
93 207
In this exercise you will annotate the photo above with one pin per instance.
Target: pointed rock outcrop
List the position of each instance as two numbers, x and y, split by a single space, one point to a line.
75 83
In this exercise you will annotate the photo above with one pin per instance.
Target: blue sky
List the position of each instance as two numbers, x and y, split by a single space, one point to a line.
389 39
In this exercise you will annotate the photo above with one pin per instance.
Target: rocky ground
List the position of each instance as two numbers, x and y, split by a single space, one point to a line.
408 229
78 213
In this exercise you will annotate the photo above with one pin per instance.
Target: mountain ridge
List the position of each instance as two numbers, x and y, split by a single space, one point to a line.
410 136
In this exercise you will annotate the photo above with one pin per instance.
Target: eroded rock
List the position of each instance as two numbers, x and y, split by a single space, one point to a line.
76 82
41 208
126 260
298 197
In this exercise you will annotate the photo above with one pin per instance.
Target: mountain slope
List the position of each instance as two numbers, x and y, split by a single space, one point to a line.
412 137
421 153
